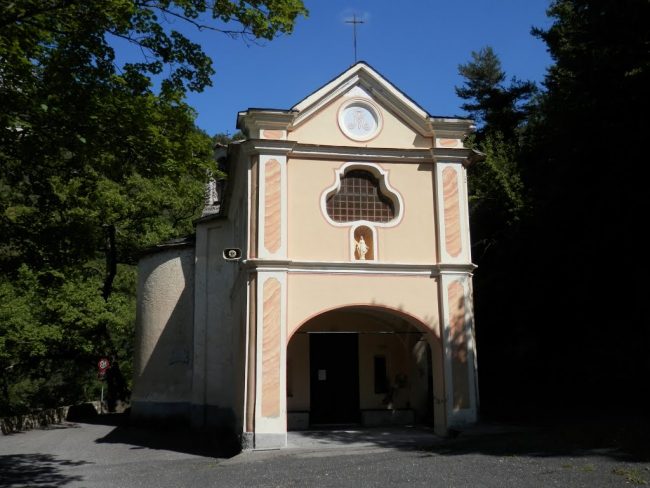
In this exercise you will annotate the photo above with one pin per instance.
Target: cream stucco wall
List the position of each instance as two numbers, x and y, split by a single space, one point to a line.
312 237
311 294
163 344
323 128
220 315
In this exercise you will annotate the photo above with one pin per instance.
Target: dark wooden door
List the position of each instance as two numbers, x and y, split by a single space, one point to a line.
334 378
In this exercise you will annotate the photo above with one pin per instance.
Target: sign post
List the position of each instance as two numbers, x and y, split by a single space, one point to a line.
102 365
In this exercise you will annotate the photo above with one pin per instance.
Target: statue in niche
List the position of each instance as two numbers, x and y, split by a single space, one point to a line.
362 248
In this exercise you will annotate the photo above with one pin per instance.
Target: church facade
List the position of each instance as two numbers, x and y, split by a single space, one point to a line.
330 282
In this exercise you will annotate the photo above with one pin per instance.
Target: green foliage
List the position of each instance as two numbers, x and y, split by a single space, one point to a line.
49 340
582 169
496 189
552 321
497 107
496 193
95 166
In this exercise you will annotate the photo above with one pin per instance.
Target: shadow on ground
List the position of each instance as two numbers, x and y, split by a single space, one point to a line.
35 470
168 437
621 440
621 443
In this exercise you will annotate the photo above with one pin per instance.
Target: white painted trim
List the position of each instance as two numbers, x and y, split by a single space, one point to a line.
371 107
464 214
271 425
471 344
375 87
323 152
357 267
249 204
443 307
360 69
384 185
266 147
456 417
255 121
307 111
451 127
295 149
247 338
452 155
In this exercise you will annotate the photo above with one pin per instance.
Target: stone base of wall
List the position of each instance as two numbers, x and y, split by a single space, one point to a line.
213 428
35 420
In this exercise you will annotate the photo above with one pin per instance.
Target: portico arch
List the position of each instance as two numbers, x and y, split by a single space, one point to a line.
365 364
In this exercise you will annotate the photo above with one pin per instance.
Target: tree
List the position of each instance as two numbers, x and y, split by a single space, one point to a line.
590 196
496 107
560 307
94 166
499 208
497 198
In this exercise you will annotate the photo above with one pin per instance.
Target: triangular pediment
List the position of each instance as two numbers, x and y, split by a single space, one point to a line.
362 81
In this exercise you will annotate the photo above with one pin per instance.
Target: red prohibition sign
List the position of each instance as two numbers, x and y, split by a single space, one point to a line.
103 364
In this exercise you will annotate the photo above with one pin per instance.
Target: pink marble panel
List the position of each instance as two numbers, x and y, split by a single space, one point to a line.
271 134
453 242
271 348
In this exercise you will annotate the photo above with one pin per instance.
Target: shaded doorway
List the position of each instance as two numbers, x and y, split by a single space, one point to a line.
334 378
376 368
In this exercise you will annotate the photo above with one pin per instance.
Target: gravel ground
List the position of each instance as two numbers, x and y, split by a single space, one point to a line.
96 455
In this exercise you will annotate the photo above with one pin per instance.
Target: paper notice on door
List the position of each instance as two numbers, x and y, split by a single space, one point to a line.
322 374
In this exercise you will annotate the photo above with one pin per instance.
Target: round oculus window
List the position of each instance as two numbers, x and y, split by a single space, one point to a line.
359 120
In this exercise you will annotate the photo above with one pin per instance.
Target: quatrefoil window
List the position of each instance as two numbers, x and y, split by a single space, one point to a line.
360 197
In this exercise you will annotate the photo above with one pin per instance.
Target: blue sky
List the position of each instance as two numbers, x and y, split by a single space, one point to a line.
416 44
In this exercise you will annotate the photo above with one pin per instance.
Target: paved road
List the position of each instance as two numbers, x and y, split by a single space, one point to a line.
92 455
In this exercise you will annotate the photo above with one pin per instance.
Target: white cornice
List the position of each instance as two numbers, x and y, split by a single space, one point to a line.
296 150
390 97
254 119
319 152
252 147
351 153
453 155
357 267
451 128
306 111
379 89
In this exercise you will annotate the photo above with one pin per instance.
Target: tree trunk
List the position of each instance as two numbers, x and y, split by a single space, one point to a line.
111 261
115 380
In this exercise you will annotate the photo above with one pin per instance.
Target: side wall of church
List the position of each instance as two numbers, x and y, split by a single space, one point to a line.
220 318
163 345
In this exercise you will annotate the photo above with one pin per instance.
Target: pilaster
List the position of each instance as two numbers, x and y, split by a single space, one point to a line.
455 293
459 352
271 399
272 212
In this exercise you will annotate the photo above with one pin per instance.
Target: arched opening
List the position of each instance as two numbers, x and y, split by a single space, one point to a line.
360 365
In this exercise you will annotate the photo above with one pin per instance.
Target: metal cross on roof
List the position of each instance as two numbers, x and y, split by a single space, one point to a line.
354 23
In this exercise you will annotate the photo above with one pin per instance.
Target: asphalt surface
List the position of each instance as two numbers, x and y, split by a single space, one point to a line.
98 455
